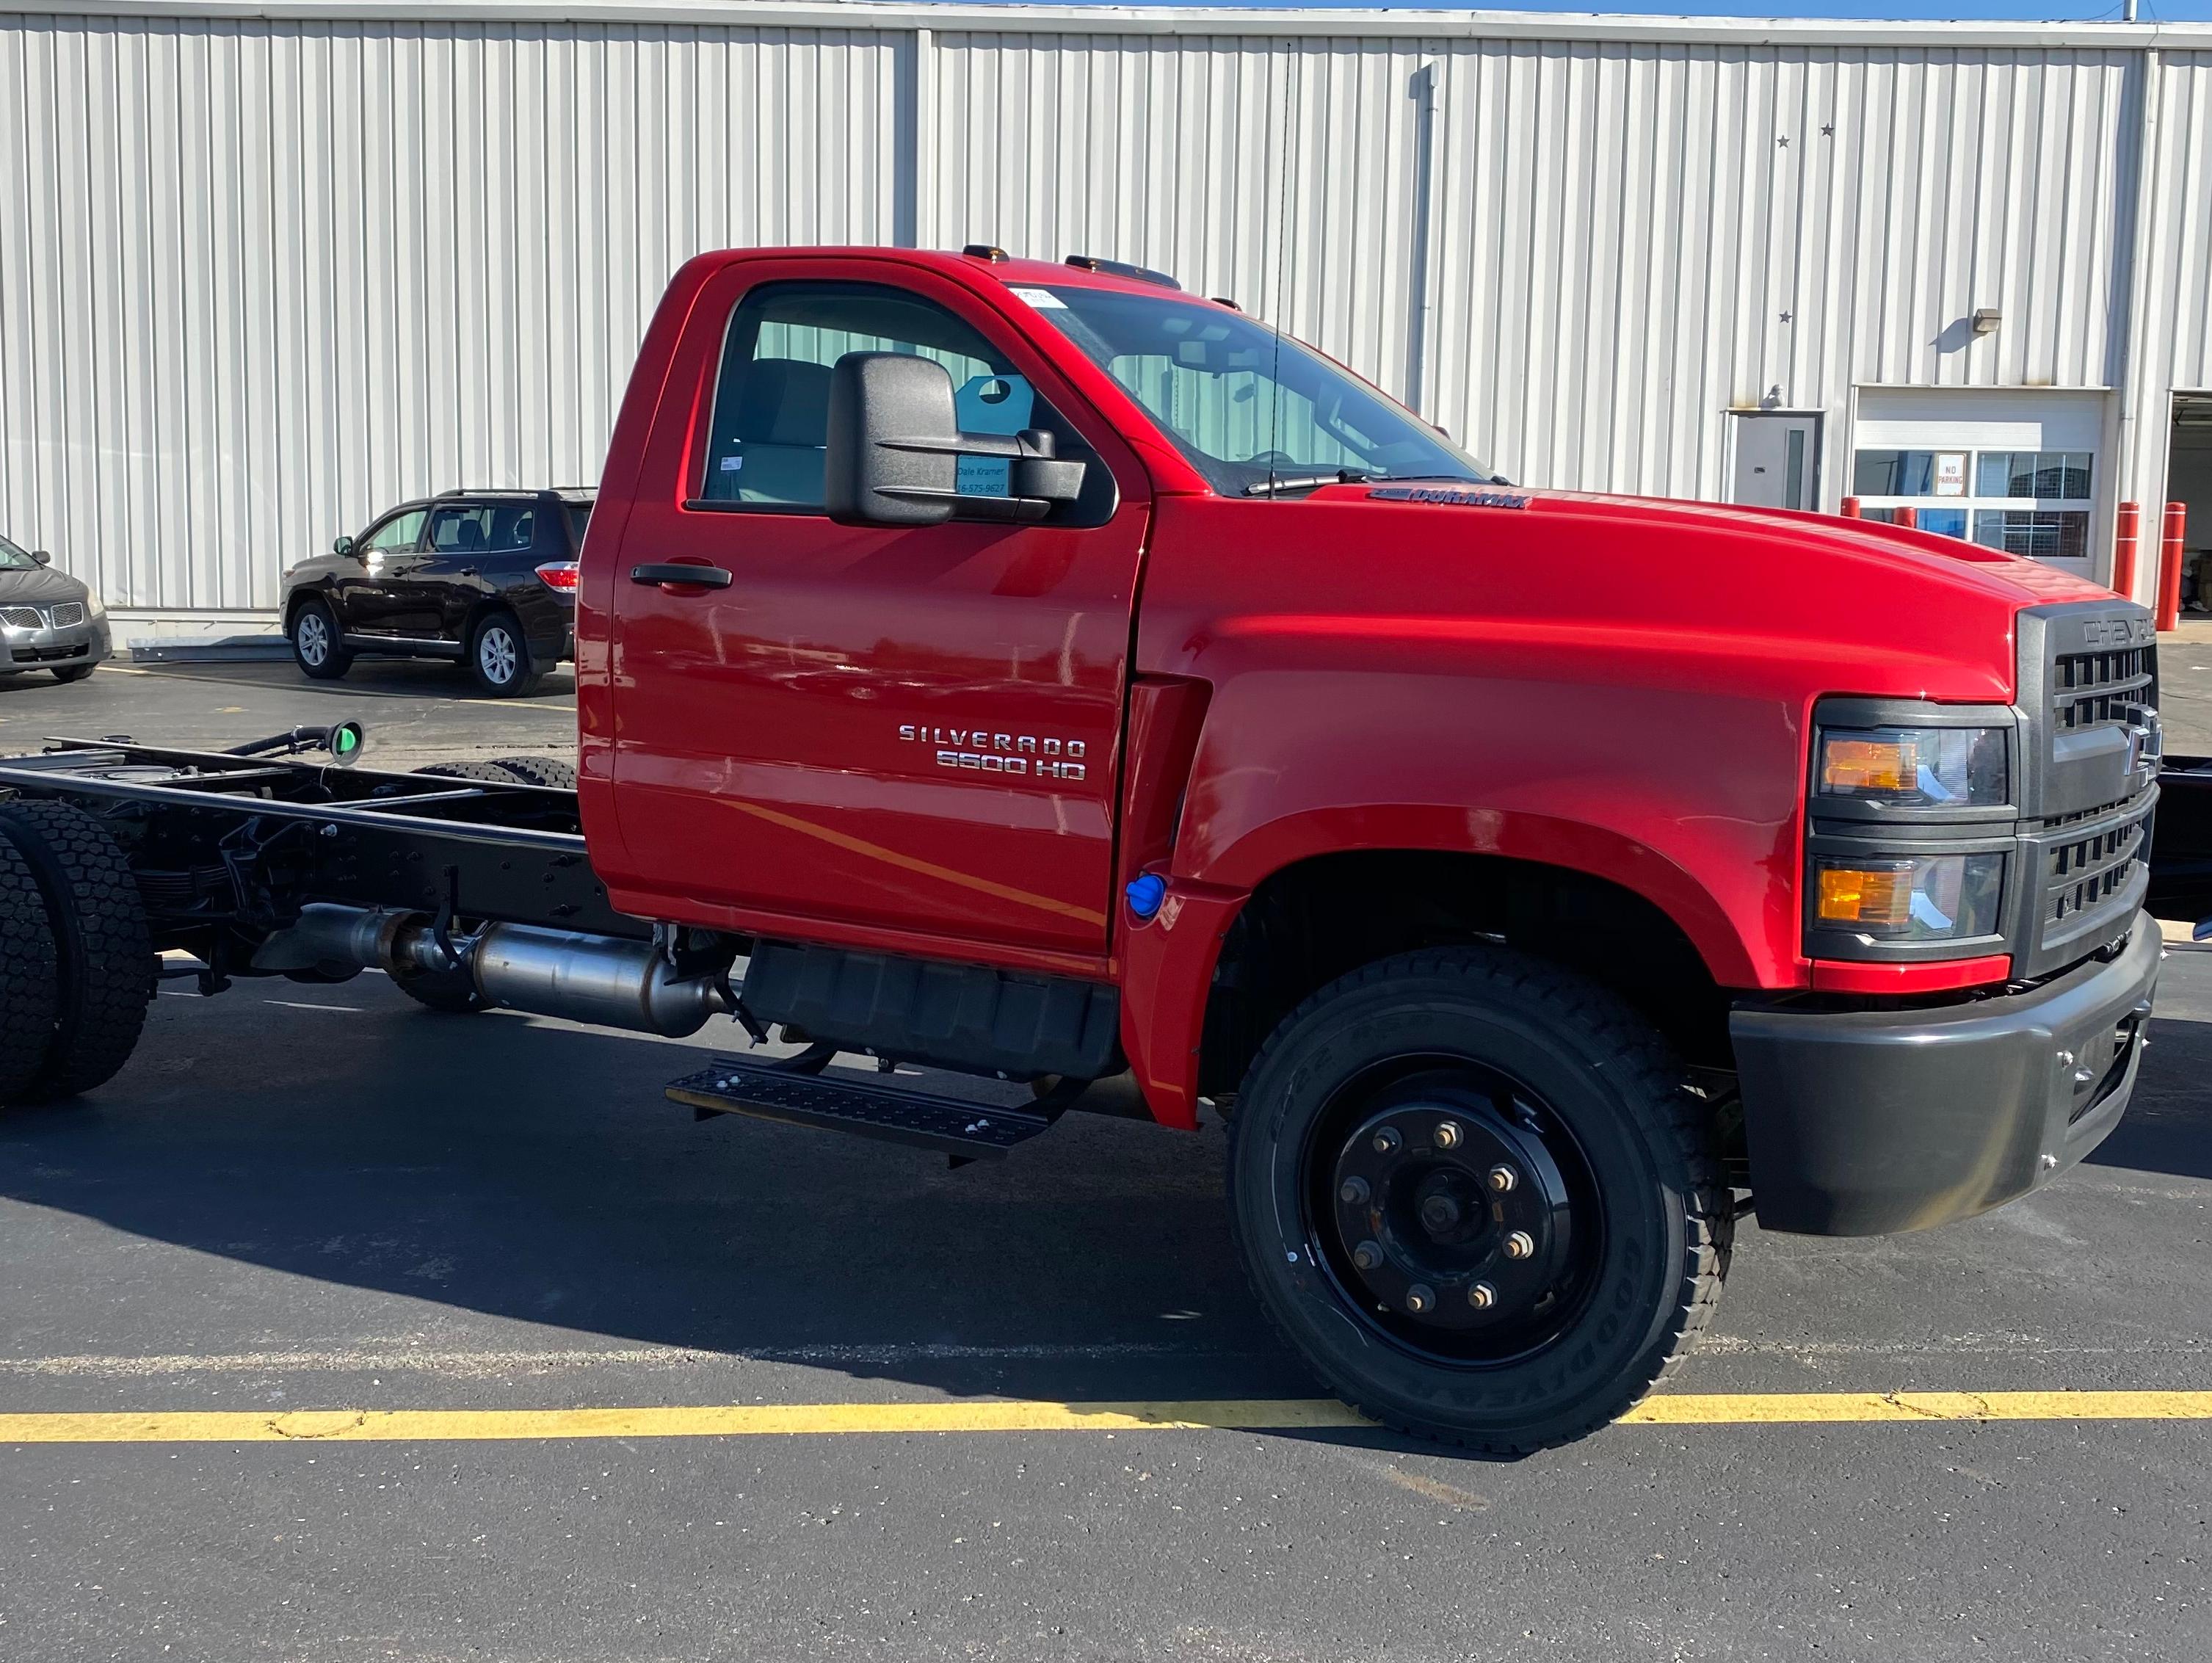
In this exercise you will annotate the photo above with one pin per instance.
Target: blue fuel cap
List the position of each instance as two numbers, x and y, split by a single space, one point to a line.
1146 894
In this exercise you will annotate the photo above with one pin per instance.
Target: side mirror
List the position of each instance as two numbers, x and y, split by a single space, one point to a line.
894 445
42 556
342 545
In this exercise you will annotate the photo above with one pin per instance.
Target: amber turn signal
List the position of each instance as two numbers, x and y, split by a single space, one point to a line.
1878 898
1888 764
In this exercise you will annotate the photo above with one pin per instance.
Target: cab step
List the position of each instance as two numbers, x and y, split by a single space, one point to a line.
951 1125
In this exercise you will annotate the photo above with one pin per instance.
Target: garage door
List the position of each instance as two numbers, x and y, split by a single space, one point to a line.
2012 471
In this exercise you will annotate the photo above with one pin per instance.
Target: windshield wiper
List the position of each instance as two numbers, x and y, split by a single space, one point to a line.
1283 482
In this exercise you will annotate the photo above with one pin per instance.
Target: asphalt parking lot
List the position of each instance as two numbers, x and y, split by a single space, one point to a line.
513 1350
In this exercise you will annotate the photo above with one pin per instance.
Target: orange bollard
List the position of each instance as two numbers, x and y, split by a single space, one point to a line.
2126 534
1851 508
2169 565
1906 517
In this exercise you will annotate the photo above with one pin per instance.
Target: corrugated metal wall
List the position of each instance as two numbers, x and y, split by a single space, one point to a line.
2178 286
261 277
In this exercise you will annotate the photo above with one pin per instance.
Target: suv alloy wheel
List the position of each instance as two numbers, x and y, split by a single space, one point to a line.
499 657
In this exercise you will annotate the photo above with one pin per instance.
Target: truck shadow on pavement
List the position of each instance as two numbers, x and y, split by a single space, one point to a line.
535 1173
2168 1125
374 1177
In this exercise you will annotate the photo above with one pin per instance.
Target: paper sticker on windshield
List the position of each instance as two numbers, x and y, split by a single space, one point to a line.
1043 297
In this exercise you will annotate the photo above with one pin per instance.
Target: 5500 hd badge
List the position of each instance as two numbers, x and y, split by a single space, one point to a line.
1017 756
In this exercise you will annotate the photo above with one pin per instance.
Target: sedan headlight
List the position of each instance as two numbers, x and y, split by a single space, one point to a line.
1924 897
93 605
1914 767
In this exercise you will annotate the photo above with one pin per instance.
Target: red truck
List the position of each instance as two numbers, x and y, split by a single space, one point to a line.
1033 671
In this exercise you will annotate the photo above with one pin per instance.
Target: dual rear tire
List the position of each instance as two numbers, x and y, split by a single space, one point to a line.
76 960
1475 1193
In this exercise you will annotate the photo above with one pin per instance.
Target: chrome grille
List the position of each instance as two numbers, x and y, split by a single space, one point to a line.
23 617
69 612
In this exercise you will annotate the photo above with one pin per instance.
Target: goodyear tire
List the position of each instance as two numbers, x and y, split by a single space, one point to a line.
104 953
30 979
539 770
1472 1190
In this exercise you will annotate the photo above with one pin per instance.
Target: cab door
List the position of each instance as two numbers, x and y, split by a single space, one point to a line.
895 733
365 587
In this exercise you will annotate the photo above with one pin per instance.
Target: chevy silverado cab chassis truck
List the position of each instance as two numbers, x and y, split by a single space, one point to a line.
1034 672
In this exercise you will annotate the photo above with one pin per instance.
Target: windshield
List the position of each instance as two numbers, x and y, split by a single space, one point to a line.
14 559
1255 412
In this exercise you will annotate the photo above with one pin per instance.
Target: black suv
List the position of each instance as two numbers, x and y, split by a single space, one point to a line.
487 578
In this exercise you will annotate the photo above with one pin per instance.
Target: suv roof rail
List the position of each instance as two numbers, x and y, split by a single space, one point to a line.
1121 268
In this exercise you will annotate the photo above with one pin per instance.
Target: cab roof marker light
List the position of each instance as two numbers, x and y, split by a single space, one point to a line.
983 250
1122 269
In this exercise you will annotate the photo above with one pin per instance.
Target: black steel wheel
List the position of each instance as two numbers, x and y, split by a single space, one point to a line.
539 770
104 953
30 978
317 645
499 657
1473 1191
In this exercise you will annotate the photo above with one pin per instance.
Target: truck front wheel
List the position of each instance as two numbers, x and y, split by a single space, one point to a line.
1473 1191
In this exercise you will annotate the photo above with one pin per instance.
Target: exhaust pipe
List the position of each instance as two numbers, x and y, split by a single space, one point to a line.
601 979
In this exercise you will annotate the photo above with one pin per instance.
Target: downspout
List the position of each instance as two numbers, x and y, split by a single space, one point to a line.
2128 487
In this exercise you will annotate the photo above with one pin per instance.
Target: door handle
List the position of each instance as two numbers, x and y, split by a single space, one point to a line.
468 571
701 578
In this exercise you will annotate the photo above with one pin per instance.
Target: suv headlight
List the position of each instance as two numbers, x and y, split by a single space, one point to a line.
1914 767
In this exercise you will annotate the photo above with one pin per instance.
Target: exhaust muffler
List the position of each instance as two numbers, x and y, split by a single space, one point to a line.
601 979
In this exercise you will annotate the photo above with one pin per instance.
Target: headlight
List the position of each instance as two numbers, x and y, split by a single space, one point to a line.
1914 767
93 605
1926 897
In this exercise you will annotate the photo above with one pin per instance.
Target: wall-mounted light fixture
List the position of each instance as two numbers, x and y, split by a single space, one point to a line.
1986 319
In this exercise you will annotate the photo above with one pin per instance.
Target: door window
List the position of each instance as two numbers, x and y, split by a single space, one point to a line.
767 442
401 532
466 530
513 528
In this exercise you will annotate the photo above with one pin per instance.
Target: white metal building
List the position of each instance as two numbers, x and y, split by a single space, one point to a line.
267 265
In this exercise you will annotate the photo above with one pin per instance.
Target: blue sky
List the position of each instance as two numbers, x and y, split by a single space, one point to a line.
2170 11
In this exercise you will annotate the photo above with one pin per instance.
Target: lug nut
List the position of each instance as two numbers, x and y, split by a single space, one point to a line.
1354 1192
1482 1296
1518 1245
1503 1179
1367 1256
1447 1136
1419 1297
1386 1141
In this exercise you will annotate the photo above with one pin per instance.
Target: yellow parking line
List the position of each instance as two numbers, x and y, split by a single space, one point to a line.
1278 1414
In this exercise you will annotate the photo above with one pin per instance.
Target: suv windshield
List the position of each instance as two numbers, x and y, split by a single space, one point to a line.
14 559
1255 412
